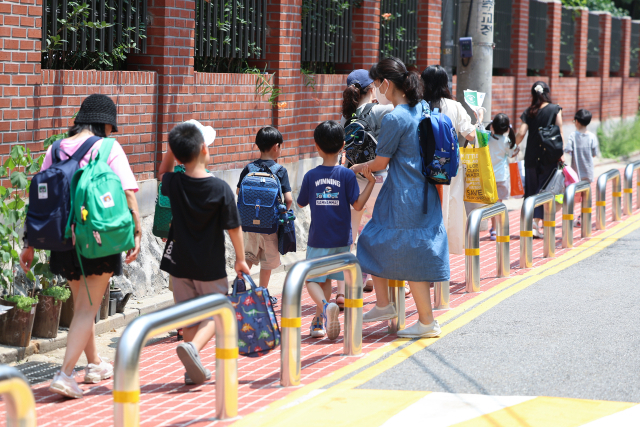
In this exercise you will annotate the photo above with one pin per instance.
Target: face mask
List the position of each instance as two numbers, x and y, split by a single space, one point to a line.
382 99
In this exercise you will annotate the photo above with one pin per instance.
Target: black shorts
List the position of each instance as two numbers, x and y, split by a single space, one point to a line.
66 264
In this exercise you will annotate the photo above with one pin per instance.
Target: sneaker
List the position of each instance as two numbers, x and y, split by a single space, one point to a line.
330 315
191 360
492 234
537 233
65 386
377 314
578 221
189 381
418 330
95 373
273 300
317 329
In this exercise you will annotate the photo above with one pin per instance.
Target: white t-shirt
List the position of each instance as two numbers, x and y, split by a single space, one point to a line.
458 115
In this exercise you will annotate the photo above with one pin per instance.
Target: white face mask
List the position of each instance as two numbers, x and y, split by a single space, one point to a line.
382 99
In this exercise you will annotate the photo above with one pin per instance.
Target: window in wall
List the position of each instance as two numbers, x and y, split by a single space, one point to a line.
399 30
502 35
537 51
635 49
616 40
593 45
567 38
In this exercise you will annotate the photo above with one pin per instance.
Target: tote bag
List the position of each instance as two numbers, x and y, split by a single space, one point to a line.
517 189
479 180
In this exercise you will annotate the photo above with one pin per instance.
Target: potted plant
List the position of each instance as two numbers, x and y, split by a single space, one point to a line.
50 301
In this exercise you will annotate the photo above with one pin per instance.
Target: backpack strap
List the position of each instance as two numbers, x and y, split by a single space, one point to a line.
367 109
105 149
85 147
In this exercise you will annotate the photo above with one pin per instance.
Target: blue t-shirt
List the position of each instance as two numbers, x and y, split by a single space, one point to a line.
329 192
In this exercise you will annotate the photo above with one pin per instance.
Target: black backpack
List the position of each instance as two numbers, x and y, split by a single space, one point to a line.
551 141
360 137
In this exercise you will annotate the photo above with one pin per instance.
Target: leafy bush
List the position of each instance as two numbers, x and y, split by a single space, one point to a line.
22 302
598 6
619 138
58 292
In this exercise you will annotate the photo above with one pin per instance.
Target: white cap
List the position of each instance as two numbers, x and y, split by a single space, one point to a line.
208 133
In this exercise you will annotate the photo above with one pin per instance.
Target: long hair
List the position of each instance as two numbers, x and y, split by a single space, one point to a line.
351 98
501 125
539 97
395 71
95 128
436 85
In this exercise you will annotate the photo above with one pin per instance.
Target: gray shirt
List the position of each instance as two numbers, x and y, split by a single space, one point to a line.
377 112
583 148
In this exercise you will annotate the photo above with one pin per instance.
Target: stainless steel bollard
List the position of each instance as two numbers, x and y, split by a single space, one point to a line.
396 296
568 206
126 383
472 244
18 398
526 227
441 295
628 187
290 364
601 198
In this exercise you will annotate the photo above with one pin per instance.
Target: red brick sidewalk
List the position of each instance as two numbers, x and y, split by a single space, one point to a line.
165 401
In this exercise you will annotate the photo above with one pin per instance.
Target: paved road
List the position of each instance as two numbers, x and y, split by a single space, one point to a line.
573 334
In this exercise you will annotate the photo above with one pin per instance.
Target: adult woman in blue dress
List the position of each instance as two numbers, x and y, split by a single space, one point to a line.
406 238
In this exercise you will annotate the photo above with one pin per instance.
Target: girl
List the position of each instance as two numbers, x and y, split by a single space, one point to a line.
501 148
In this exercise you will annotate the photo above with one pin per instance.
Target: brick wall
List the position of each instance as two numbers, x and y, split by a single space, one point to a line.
564 94
630 96
590 91
503 94
611 98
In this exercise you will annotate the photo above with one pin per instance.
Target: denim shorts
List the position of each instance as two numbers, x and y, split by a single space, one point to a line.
320 252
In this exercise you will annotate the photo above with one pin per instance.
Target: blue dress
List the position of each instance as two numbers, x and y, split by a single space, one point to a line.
400 242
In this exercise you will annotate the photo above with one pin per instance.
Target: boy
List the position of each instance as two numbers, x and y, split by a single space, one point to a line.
263 248
583 147
329 190
202 207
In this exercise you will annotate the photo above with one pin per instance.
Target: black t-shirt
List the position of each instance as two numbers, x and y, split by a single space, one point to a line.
202 209
282 174
533 152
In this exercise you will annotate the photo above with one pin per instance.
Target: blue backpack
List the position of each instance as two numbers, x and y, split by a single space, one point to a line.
50 199
438 146
259 199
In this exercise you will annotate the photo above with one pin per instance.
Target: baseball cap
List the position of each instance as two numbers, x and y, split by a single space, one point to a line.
208 133
359 76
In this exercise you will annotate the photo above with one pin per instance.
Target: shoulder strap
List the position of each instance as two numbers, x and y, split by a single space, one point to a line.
84 148
275 168
105 149
552 118
367 109
55 148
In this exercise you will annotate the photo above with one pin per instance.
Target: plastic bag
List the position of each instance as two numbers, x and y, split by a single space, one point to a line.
479 180
570 176
517 189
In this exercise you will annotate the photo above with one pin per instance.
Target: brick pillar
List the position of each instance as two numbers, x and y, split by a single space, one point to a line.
604 70
581 39
429 26
625 47
554 33
170 50
519 51
365 47
20 44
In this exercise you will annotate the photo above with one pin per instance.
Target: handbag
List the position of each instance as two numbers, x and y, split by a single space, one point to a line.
570 176
287 237
479 180
258 331
517 189
555 182
551 138
162 214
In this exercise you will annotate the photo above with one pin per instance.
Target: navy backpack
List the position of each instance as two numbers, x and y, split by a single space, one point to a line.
438 146
259 199
50 199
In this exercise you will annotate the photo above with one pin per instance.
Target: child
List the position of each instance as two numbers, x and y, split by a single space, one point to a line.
329 190
501 148
263 248
583 147
202 207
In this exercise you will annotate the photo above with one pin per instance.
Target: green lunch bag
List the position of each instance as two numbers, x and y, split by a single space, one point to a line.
162 216
103 222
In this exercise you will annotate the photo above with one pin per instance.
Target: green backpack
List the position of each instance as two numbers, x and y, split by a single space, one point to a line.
162 216
103 223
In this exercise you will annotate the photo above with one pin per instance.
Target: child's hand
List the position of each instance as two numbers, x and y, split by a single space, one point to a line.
366 171
516 151
242 267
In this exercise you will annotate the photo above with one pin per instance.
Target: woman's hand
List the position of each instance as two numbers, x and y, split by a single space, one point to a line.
366 171
358 168
26 258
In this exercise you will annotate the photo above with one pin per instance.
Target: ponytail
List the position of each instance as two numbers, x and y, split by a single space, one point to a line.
512 138
413 88
350 101
501 125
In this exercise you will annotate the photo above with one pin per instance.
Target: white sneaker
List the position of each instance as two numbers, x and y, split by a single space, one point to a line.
377 314
95 373
65 385
418 330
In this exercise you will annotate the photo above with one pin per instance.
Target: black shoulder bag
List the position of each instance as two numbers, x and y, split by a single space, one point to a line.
551 142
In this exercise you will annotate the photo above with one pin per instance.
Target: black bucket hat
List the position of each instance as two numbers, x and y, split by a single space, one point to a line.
97 108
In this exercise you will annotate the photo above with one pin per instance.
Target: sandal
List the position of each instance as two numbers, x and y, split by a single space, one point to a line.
340 301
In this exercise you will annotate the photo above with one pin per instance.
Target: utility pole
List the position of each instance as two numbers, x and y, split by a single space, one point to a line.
448 38
475 20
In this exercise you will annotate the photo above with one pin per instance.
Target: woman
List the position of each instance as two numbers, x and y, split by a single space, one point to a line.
437 95
401 242
97 117
540 113
360 92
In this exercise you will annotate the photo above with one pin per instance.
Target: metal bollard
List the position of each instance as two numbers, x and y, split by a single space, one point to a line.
18 399
396 296
526 227
601 198
568 208
126 383
290 364
441 295
472 244
628 187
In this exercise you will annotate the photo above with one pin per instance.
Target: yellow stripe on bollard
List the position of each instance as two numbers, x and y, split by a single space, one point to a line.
503 239
352 303
291 322
549 223
601 203
616 194
126 396
567 217
226 353
472 252
586 210
396 283
628 190
526 233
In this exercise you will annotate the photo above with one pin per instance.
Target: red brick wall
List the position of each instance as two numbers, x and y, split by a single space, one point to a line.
590 91
366 34
611 98
564 93
429 22
630 96
504 89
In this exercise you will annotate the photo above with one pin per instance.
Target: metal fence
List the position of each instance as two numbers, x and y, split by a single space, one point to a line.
399 29
126 19
502 34
567 46
326 31
234 29
537 35
616 41
593 45
635 48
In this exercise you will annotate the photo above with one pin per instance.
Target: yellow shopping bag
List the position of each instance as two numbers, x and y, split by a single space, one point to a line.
479 180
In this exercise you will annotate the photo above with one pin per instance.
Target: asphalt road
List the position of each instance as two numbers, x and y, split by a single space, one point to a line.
573 334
